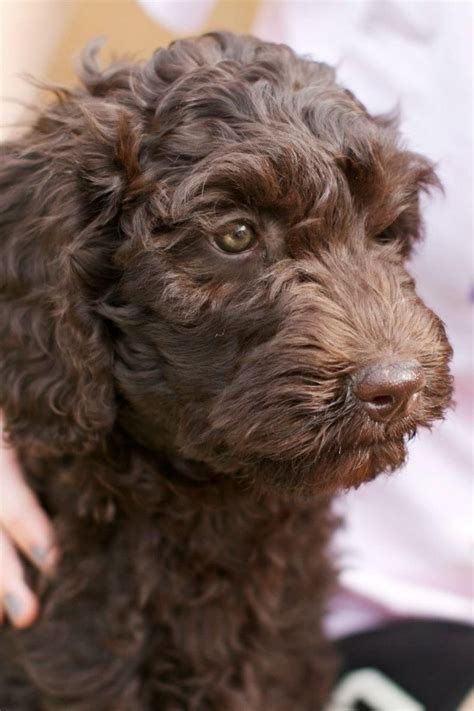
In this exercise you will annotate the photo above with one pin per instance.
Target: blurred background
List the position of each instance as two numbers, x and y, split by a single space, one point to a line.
43 37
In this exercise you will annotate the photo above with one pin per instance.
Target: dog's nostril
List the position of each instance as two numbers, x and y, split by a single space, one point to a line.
382 400
388 390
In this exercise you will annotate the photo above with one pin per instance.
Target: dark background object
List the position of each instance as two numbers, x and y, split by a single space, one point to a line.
431 660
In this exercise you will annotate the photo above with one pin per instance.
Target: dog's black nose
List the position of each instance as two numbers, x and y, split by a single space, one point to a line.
388 390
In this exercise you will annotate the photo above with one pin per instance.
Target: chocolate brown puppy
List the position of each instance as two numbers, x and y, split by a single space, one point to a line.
207 330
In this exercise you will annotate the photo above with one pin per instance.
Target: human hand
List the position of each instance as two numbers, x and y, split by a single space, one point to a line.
25 526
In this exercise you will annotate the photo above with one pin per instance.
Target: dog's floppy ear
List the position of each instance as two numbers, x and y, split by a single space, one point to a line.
61 188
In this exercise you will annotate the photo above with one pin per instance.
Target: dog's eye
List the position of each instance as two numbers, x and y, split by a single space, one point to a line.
238 239
388 235
384 237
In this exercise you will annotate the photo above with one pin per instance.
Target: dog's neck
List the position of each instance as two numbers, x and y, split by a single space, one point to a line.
186 472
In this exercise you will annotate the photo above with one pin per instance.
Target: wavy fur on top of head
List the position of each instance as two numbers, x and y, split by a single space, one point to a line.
172 401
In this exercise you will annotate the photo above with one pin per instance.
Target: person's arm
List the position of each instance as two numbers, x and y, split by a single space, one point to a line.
30 32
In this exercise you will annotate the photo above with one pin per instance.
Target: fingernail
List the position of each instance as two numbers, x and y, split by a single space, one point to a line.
45 558
39 553
13 605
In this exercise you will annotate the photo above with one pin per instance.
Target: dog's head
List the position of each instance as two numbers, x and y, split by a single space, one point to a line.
211 248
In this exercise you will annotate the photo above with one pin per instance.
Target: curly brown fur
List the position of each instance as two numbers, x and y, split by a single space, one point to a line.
184 413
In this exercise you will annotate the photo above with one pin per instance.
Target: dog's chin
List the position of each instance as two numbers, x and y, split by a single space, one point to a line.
330 473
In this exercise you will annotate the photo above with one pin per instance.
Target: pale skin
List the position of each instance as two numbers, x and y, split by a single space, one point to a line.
24 528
